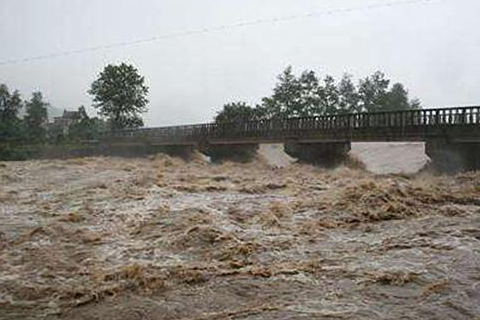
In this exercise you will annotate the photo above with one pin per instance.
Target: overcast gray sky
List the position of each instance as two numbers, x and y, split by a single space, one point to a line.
432 47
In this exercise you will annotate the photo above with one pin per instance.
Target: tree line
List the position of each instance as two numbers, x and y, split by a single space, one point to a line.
309 95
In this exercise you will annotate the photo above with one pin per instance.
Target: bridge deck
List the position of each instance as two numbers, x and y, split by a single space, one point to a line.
461 124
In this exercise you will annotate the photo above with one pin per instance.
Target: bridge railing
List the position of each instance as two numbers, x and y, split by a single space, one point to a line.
347 125
412 120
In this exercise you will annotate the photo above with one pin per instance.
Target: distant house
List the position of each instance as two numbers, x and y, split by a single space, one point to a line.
68 118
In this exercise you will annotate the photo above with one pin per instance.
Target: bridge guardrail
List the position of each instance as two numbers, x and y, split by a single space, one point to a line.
419 123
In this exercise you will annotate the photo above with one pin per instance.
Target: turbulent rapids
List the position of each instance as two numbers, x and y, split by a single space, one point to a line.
160 238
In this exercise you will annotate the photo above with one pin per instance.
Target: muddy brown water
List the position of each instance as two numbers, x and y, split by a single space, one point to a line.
158 238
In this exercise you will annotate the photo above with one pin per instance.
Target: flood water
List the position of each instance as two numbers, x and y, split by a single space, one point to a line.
160 238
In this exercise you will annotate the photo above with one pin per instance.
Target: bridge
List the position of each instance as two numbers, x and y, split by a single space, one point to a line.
452 135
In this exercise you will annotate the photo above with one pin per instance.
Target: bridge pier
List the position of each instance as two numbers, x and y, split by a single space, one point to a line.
328 154
452 157
233 152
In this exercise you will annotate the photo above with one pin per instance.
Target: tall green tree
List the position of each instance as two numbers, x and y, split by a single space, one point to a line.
310 102
237 112
120 95
10 103
306 95
373 92
11 126
36 118
297 96
397 99
348 97
329 95
285 98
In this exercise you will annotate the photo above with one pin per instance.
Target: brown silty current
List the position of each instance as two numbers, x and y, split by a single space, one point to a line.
159 238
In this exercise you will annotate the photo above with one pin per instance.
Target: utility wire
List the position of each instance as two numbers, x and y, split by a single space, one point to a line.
374 6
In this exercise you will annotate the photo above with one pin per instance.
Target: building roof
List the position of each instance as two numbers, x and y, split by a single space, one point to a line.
71 114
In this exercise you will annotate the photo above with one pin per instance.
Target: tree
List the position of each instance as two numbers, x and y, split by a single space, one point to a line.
329 95
36 118
120 94
285 99
348 98
11 127
415 104
56 134
310 103
10 104
307 96
373 92
297 96
397 99
86 129
237 112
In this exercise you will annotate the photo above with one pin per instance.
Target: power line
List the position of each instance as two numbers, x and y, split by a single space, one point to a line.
373 6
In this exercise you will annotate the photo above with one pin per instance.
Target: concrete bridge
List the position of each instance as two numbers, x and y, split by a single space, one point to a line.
452 136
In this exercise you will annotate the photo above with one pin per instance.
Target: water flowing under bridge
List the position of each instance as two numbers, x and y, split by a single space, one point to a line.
452 135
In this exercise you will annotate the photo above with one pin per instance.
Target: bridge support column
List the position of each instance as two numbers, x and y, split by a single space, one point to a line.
326 154
452 157
233 152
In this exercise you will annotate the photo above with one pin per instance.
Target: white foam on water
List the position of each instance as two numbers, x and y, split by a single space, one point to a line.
379 157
